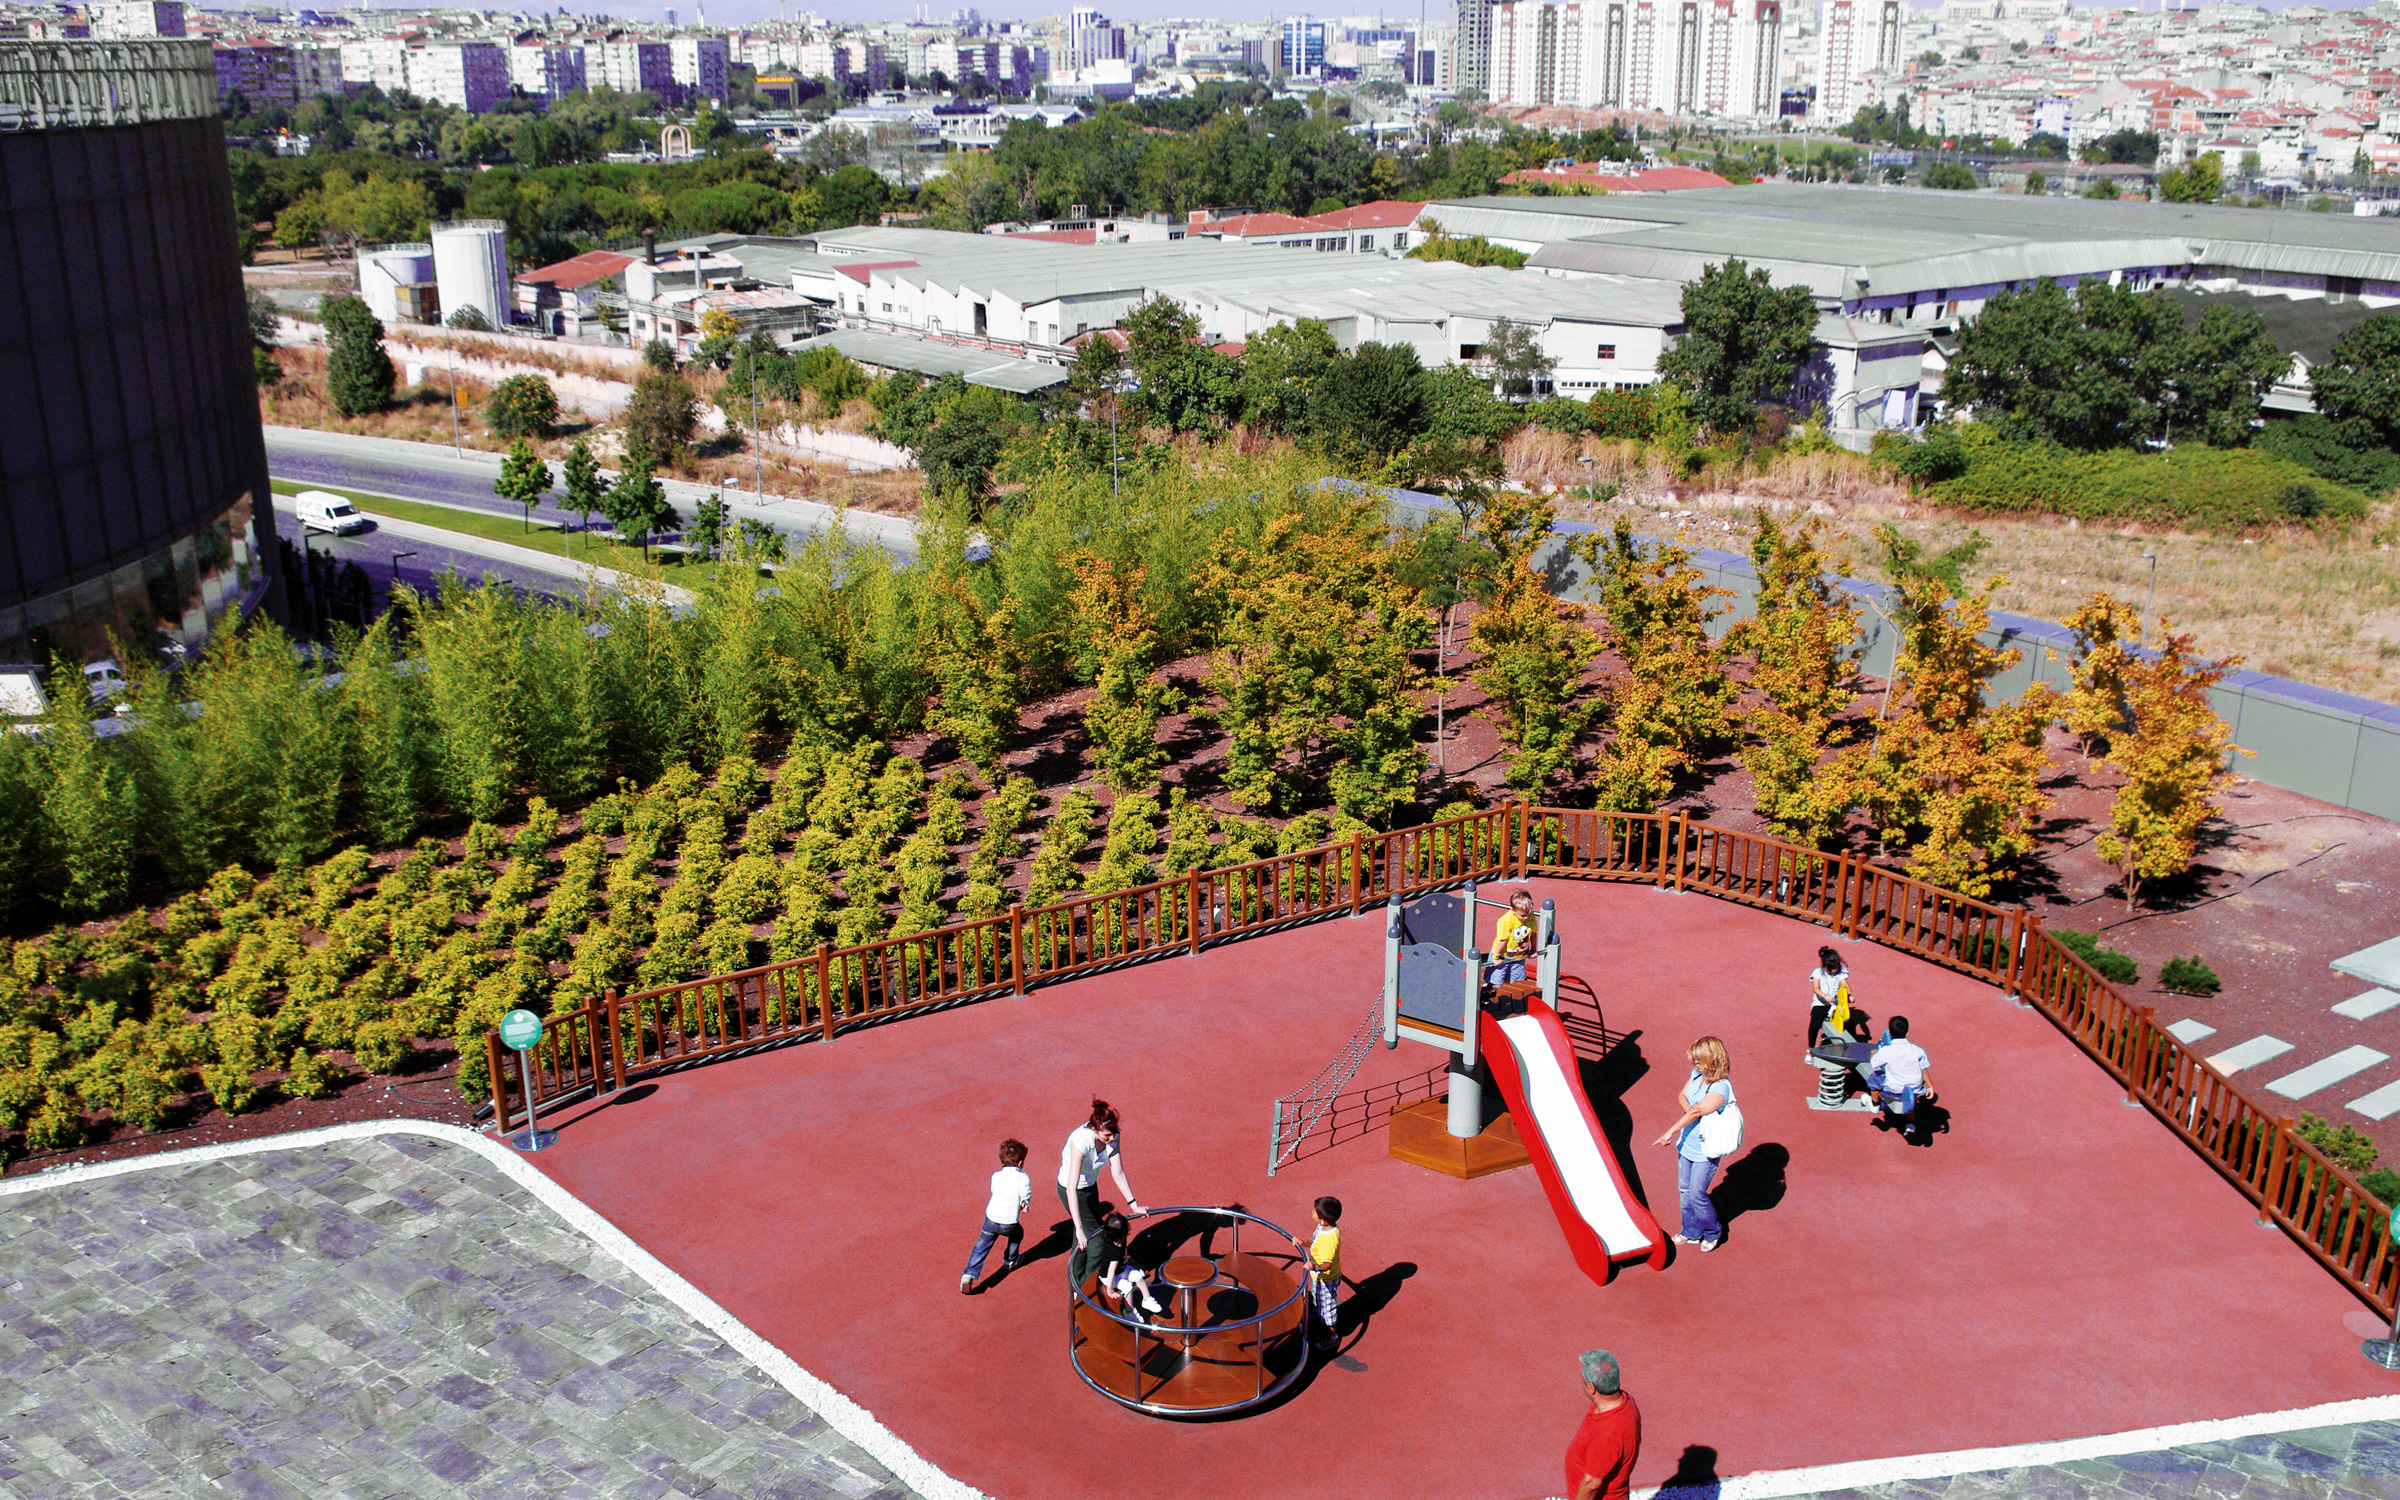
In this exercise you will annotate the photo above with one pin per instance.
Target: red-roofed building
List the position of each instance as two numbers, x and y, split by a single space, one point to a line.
1384 226
570 286
1609 177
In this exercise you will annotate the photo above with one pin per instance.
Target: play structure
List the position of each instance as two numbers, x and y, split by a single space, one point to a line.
1433 993
1231 1335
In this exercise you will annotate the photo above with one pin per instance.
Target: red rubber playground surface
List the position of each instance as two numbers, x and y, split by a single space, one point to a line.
2056 1265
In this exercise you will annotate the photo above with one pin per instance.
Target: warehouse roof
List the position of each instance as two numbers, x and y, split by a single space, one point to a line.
893 351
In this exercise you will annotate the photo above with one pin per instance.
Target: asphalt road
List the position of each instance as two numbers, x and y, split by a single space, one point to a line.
425 471
424 564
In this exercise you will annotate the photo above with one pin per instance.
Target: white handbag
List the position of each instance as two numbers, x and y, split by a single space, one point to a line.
1721 1130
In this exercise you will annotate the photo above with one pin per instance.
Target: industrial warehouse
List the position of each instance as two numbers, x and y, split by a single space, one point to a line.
1894 273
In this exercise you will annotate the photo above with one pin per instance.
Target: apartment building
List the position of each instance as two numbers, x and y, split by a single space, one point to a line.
546 70
114 19
472 76
260 72
629 65
1719 56
698 67
377 62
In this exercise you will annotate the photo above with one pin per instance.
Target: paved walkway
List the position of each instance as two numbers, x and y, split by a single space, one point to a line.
375 1318
2361 1459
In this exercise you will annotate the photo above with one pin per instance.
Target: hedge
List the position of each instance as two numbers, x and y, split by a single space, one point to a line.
2216 489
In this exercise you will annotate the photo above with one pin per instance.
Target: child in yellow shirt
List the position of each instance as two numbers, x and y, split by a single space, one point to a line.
1325 1273
1512 942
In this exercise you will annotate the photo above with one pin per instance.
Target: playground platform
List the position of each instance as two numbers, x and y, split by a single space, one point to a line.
2056 1265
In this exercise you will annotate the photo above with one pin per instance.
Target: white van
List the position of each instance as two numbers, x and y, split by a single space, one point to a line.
320 510
103 683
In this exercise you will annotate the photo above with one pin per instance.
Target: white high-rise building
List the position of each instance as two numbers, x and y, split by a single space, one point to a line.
1471 46
110 19
630 67
1838 59
472 76
378 61
699 64
546 70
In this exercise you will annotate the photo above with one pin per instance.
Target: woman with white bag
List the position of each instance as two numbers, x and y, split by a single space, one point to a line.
1711 1128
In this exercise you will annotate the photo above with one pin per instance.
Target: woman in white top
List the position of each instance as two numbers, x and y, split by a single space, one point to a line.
1824 989
1095 1141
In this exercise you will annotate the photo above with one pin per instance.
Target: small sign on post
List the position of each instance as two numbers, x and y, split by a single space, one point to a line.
520 1031
2386 1351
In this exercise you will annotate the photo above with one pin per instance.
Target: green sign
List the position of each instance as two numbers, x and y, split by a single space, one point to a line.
520 1029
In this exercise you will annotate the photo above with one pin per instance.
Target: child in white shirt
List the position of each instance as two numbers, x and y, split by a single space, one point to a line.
1012 1189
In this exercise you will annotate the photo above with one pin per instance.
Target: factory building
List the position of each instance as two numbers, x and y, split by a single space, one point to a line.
135 471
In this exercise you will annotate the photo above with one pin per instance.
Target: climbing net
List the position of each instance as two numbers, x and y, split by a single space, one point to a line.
1296 1115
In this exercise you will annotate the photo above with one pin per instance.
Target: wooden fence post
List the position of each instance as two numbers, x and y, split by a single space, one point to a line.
1358 855
2018 941
616 1040
2280 1159
1679 830
491 1057
1016 943
2025 968
825 989
2141 1036
1662 823
1518 825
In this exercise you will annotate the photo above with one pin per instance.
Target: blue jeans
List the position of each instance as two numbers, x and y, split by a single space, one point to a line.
1506 971
1013 1233
1901 1101
1699 1215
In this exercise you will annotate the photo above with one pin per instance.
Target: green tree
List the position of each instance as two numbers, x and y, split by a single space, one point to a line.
710 528
1116 646
1373 403
1534 655
358 374
524 478
1180 382
661 415
2201 182
1670 704
1511 359
1283 368
636 505
978 663
522 406
852 195
90 811
581 484
2358 387
1951 176
1743 342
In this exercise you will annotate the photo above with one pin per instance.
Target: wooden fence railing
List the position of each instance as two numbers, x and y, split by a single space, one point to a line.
602 1046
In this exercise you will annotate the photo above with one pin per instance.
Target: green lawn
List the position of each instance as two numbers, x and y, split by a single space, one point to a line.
495 528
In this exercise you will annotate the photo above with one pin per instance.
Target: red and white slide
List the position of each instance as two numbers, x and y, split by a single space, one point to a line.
1534 1065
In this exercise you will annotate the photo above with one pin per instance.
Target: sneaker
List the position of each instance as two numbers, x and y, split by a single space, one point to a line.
1008 1265
966 1284
1708 1245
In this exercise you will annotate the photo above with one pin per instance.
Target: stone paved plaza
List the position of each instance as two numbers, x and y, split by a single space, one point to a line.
378 1317
2321 1463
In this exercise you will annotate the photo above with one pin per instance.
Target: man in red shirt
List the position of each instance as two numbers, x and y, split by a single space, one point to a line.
1600 1460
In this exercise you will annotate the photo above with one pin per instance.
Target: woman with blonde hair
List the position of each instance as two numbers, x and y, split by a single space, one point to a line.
1709 1089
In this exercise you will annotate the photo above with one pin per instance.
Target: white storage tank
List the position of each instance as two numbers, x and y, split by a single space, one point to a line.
387 268
470 264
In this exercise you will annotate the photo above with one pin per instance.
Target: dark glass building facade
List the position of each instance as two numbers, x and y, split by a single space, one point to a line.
132 462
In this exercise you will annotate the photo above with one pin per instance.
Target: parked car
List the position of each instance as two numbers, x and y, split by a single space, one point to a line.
104 683
321 510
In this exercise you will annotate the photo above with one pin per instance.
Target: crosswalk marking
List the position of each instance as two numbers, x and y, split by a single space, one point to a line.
2372 1003
2326 1072
2380 1105
2249 1054
2188 1032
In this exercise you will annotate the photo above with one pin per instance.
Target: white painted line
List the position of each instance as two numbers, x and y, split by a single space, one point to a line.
2380 1105
2323 1074
1862 1473
2372 1003
2188 1032
842 1414
2249 1054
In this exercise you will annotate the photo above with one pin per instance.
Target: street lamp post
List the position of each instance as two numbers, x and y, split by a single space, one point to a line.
394 594
452 355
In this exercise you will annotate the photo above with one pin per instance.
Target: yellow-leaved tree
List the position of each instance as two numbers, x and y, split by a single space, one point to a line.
1802 639
1671 704
1955 779
2151 718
